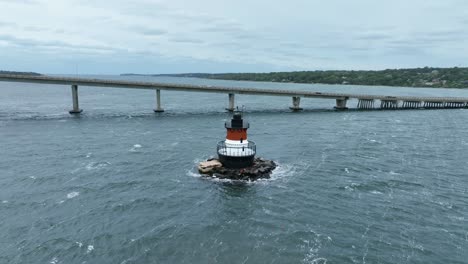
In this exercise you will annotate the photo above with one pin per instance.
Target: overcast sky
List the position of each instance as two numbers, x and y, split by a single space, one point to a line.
174 36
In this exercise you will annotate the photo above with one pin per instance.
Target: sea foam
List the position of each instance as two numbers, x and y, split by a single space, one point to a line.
72 195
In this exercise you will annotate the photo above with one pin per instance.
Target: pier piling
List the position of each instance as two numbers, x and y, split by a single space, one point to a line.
158 108
365 104
434 104
411 104
341 104
230 108
389 104
76 107
296 100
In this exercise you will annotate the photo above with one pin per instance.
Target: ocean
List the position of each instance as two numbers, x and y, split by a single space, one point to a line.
119 184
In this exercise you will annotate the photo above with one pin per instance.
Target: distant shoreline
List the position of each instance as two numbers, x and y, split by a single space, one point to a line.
20 73
417 78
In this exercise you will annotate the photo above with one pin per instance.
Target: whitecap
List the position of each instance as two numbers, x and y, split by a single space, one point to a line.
193 174
90 248
457 218
96 165
72 195
79 244
54 260
346 170
444 204
280 172
319 261
190 173
352 186
135 147
4 202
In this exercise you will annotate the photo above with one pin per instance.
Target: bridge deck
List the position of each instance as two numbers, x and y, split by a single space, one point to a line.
215 89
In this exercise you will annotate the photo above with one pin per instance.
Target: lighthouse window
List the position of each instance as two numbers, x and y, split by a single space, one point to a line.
241 142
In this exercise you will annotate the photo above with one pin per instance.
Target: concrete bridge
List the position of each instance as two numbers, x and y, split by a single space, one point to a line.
341 99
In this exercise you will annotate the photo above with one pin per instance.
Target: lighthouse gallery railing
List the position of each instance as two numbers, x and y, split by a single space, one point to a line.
237 151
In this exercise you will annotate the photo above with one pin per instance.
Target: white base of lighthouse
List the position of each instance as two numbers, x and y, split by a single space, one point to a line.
234 154
236 149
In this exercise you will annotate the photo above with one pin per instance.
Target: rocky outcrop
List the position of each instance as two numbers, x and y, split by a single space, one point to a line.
261 169
208 166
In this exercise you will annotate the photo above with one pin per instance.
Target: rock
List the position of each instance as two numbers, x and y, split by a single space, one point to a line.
207 167
261 169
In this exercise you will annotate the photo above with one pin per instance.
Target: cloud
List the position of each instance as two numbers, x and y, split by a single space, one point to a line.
35 28
374 36
150 31
221 29
27 2
56 45
187 40
8 24
302 34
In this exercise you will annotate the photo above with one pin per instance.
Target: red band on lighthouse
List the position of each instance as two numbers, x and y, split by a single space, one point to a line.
236 134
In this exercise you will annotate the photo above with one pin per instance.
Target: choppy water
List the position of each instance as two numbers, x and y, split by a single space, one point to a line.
118 184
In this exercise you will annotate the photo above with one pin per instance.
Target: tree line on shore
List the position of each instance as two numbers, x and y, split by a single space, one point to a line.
19 73
418 77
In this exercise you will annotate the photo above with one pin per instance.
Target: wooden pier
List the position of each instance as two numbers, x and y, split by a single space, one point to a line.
365 102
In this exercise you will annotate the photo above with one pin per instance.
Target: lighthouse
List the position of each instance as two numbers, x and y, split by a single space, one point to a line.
236 151
236 155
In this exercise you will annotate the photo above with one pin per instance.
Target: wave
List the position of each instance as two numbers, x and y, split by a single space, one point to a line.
63 116
97 165
72 195
380 187
135 148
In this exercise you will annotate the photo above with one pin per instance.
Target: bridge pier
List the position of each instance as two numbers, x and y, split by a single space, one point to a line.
341 104
158 108
230 108
76 107
296 100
